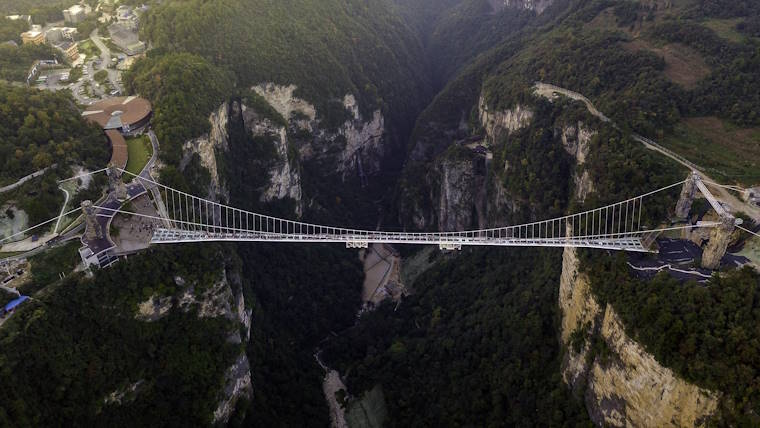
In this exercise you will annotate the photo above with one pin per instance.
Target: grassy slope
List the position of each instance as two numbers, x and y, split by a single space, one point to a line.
140 150
728 153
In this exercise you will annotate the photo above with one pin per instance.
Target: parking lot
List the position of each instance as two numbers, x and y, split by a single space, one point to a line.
85 88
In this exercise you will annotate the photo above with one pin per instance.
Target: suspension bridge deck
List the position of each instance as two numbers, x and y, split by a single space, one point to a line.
623 243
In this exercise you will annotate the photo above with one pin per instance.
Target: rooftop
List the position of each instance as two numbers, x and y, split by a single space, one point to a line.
133 110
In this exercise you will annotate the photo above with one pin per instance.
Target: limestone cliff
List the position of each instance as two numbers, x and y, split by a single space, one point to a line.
720 238
539 6
357 146
461 200
207 146
284 174
223 298
498 123
576 139
628 387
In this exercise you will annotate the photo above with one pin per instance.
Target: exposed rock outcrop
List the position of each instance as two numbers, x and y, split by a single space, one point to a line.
629 388
461 202
207 146
283 100
284 174
224 298
539 6
686 199
237 384
576 140
498 123
720 238
361 142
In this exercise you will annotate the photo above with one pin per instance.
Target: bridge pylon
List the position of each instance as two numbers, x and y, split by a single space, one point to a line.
686 199
116 183
720 236
92 230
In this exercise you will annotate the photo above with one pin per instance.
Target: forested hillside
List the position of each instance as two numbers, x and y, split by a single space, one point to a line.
475 343
591 49
326 48
183 89
39 128
476 340
706 333
72 354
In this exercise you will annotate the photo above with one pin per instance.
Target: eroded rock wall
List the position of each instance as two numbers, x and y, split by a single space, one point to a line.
576 140
207 146
538 6
628 387
497 123
223 298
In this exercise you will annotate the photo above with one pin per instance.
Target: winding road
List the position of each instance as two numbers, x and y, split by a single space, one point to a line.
548 91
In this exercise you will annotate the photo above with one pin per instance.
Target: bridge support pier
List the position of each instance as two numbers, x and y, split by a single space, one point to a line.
357 244
92 229
687 197
449 246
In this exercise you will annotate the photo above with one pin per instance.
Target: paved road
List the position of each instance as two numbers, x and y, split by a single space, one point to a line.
546 90
63 209
97 91
105 56
677 257
23 180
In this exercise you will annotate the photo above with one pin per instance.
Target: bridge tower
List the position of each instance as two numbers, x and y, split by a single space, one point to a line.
92 230
686 199
720 236
116 183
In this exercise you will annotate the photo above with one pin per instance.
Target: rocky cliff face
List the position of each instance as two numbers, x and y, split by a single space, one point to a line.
535 5
462 187
224 298
628 387
576 139
284 174
720 238
207 146
498 123
358 146
461 201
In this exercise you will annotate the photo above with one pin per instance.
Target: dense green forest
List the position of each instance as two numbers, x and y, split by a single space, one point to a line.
183 89
475 343
39 128
11 30
706 333
64 352
300 294
327 48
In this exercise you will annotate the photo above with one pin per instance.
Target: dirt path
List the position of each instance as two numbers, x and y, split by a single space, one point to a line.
381 267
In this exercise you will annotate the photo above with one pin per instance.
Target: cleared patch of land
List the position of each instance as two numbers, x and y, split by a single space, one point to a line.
726 152
139 150
683 65
726 28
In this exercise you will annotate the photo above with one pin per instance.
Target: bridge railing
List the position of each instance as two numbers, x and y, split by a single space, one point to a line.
193 215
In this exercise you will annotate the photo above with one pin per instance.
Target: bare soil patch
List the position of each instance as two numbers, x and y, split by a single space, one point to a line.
683 65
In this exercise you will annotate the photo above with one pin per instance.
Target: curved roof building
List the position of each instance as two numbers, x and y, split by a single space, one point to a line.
117 116
120 113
